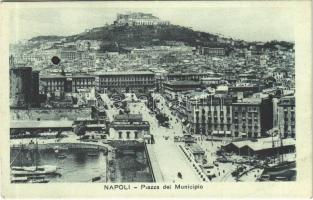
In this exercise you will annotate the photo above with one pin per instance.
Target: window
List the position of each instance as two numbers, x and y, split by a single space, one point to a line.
228 109
120 135
236 134
136 135
127 134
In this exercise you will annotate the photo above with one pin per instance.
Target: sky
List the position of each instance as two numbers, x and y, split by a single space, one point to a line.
246 23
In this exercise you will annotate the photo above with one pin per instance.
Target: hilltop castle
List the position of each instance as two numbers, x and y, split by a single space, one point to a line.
139 19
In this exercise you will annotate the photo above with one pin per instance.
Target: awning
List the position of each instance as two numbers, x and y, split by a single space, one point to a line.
228 132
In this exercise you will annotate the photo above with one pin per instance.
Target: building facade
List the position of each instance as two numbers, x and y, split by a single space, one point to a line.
139 19
287 116
253 117
211 115
174 89
186 76
223 116
213 51
129 127
24 86
126 81
67 83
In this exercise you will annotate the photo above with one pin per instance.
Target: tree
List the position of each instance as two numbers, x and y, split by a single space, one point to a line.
127 111
80 129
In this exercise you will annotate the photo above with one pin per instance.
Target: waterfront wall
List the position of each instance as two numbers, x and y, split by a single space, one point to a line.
49 113
73 146
149 163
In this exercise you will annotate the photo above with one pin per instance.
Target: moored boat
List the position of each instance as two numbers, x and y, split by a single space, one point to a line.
280 166
33 170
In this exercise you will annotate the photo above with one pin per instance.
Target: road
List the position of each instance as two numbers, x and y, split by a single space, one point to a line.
166 153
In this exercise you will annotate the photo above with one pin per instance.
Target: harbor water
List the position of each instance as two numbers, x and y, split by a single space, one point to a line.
72 166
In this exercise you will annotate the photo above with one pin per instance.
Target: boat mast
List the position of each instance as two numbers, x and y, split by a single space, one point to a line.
281 146
36 154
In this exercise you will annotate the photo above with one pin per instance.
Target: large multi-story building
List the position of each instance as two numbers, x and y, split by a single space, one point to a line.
69 54
286 116
252 117
126 81
139 19
67 83
213 51
118 81
221 115
35 87
187 76
24 86
210 115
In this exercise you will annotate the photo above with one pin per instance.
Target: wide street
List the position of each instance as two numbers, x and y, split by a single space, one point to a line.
165 152
166 157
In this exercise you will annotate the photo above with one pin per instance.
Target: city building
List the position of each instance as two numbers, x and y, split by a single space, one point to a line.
139 19
210 115
221 115
252 117
69 54
261 148
35 87
129 127
212 81
135 81
173 89
197 152
67 82
187 76
24 86
213 51
286 116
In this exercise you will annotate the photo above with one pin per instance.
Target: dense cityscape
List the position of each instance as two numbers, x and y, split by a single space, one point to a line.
143 100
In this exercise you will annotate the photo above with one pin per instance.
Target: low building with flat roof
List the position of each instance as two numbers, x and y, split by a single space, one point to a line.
197 152
264 147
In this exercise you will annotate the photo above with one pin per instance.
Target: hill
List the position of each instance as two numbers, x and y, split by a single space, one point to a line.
114 38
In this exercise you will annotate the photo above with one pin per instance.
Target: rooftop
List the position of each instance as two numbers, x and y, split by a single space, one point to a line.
195 148
128 73
41 124
195 83
128 117
265 143
254 101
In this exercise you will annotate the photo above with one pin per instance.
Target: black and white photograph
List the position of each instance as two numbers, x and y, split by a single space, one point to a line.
154 94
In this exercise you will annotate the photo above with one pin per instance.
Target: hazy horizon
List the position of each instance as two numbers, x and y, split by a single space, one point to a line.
261 24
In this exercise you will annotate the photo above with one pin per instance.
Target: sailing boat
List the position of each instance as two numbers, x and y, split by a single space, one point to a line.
34 170
281 164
